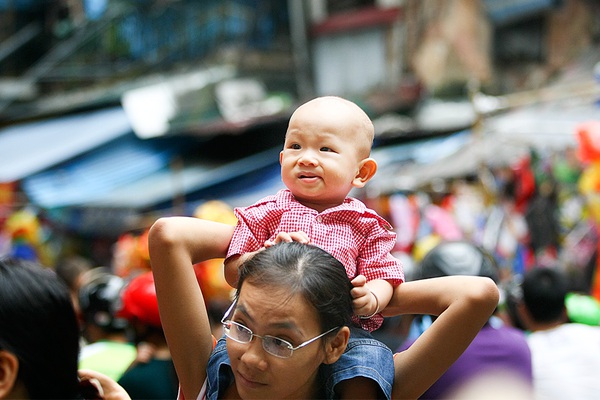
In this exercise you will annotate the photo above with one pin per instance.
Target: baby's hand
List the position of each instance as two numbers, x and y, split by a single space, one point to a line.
286 237
364 302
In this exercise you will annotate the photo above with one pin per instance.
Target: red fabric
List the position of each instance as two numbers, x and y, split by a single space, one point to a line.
596 278
588 138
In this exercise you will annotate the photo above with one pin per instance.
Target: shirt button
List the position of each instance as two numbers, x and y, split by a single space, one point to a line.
319 219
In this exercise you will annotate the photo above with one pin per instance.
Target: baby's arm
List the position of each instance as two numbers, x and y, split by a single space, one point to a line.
233 263
375 262
369 298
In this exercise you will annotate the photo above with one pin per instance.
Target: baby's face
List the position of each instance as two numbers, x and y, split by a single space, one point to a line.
324 146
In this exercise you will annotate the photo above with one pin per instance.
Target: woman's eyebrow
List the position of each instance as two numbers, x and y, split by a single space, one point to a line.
289 325
285 325
242 310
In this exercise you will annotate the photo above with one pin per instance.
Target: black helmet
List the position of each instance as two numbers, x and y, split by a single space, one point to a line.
100 298
458 258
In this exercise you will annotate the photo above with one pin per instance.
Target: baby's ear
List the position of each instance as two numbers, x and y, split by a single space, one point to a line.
366 170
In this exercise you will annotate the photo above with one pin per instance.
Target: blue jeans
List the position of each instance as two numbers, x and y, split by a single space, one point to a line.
365 357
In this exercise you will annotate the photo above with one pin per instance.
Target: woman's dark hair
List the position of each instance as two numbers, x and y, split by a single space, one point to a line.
305 270
39 326
544 290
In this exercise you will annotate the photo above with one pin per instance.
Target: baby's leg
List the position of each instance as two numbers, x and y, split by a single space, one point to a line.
359 388
364 371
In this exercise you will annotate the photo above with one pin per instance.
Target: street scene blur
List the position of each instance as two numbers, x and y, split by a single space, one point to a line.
114 113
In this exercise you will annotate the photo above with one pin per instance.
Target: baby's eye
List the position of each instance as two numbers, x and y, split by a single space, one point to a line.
295 146
326 149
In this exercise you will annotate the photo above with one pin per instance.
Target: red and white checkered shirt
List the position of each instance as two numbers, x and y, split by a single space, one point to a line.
351 232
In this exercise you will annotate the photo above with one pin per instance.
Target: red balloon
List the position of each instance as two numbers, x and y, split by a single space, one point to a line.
588 138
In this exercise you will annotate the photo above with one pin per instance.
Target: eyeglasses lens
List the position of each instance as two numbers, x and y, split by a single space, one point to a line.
272 345
277 347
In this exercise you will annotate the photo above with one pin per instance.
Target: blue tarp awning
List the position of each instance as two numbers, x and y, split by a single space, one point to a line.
29 148
113 221
22 5
135 174
506 11
114 203
197 182
95 175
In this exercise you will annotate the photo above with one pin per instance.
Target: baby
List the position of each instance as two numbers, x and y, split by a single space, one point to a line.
326 154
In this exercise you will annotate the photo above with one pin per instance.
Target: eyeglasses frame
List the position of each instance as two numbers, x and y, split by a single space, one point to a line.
252 334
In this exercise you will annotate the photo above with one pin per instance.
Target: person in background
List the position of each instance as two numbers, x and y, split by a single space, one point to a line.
498 351
39 339
108 349
72 270
566 355
325 155
152 375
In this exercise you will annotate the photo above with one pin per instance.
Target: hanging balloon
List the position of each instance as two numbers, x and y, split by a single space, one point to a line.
588 139
589 186
583 308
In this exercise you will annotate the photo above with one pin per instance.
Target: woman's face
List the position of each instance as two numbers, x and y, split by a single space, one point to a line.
259 374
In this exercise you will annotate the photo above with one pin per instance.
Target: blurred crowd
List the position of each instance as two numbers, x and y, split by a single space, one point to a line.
542 210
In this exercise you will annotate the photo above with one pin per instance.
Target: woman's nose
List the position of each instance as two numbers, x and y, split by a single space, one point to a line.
255 355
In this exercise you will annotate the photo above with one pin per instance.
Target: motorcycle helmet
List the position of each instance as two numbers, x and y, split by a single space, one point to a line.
100 298
139 302
458 258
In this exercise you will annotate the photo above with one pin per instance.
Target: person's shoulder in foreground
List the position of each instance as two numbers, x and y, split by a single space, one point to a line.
39 338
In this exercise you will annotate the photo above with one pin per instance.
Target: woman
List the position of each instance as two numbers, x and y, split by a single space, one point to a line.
281 309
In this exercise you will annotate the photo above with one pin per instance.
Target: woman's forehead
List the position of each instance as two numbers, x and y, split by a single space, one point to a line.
275 306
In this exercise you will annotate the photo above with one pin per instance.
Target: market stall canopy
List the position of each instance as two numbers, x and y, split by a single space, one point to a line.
512 125
406 166
506 11
545 125
96 174
165 191
138 174
29 148
500 141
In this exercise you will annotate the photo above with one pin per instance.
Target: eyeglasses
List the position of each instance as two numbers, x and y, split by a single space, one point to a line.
273 345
